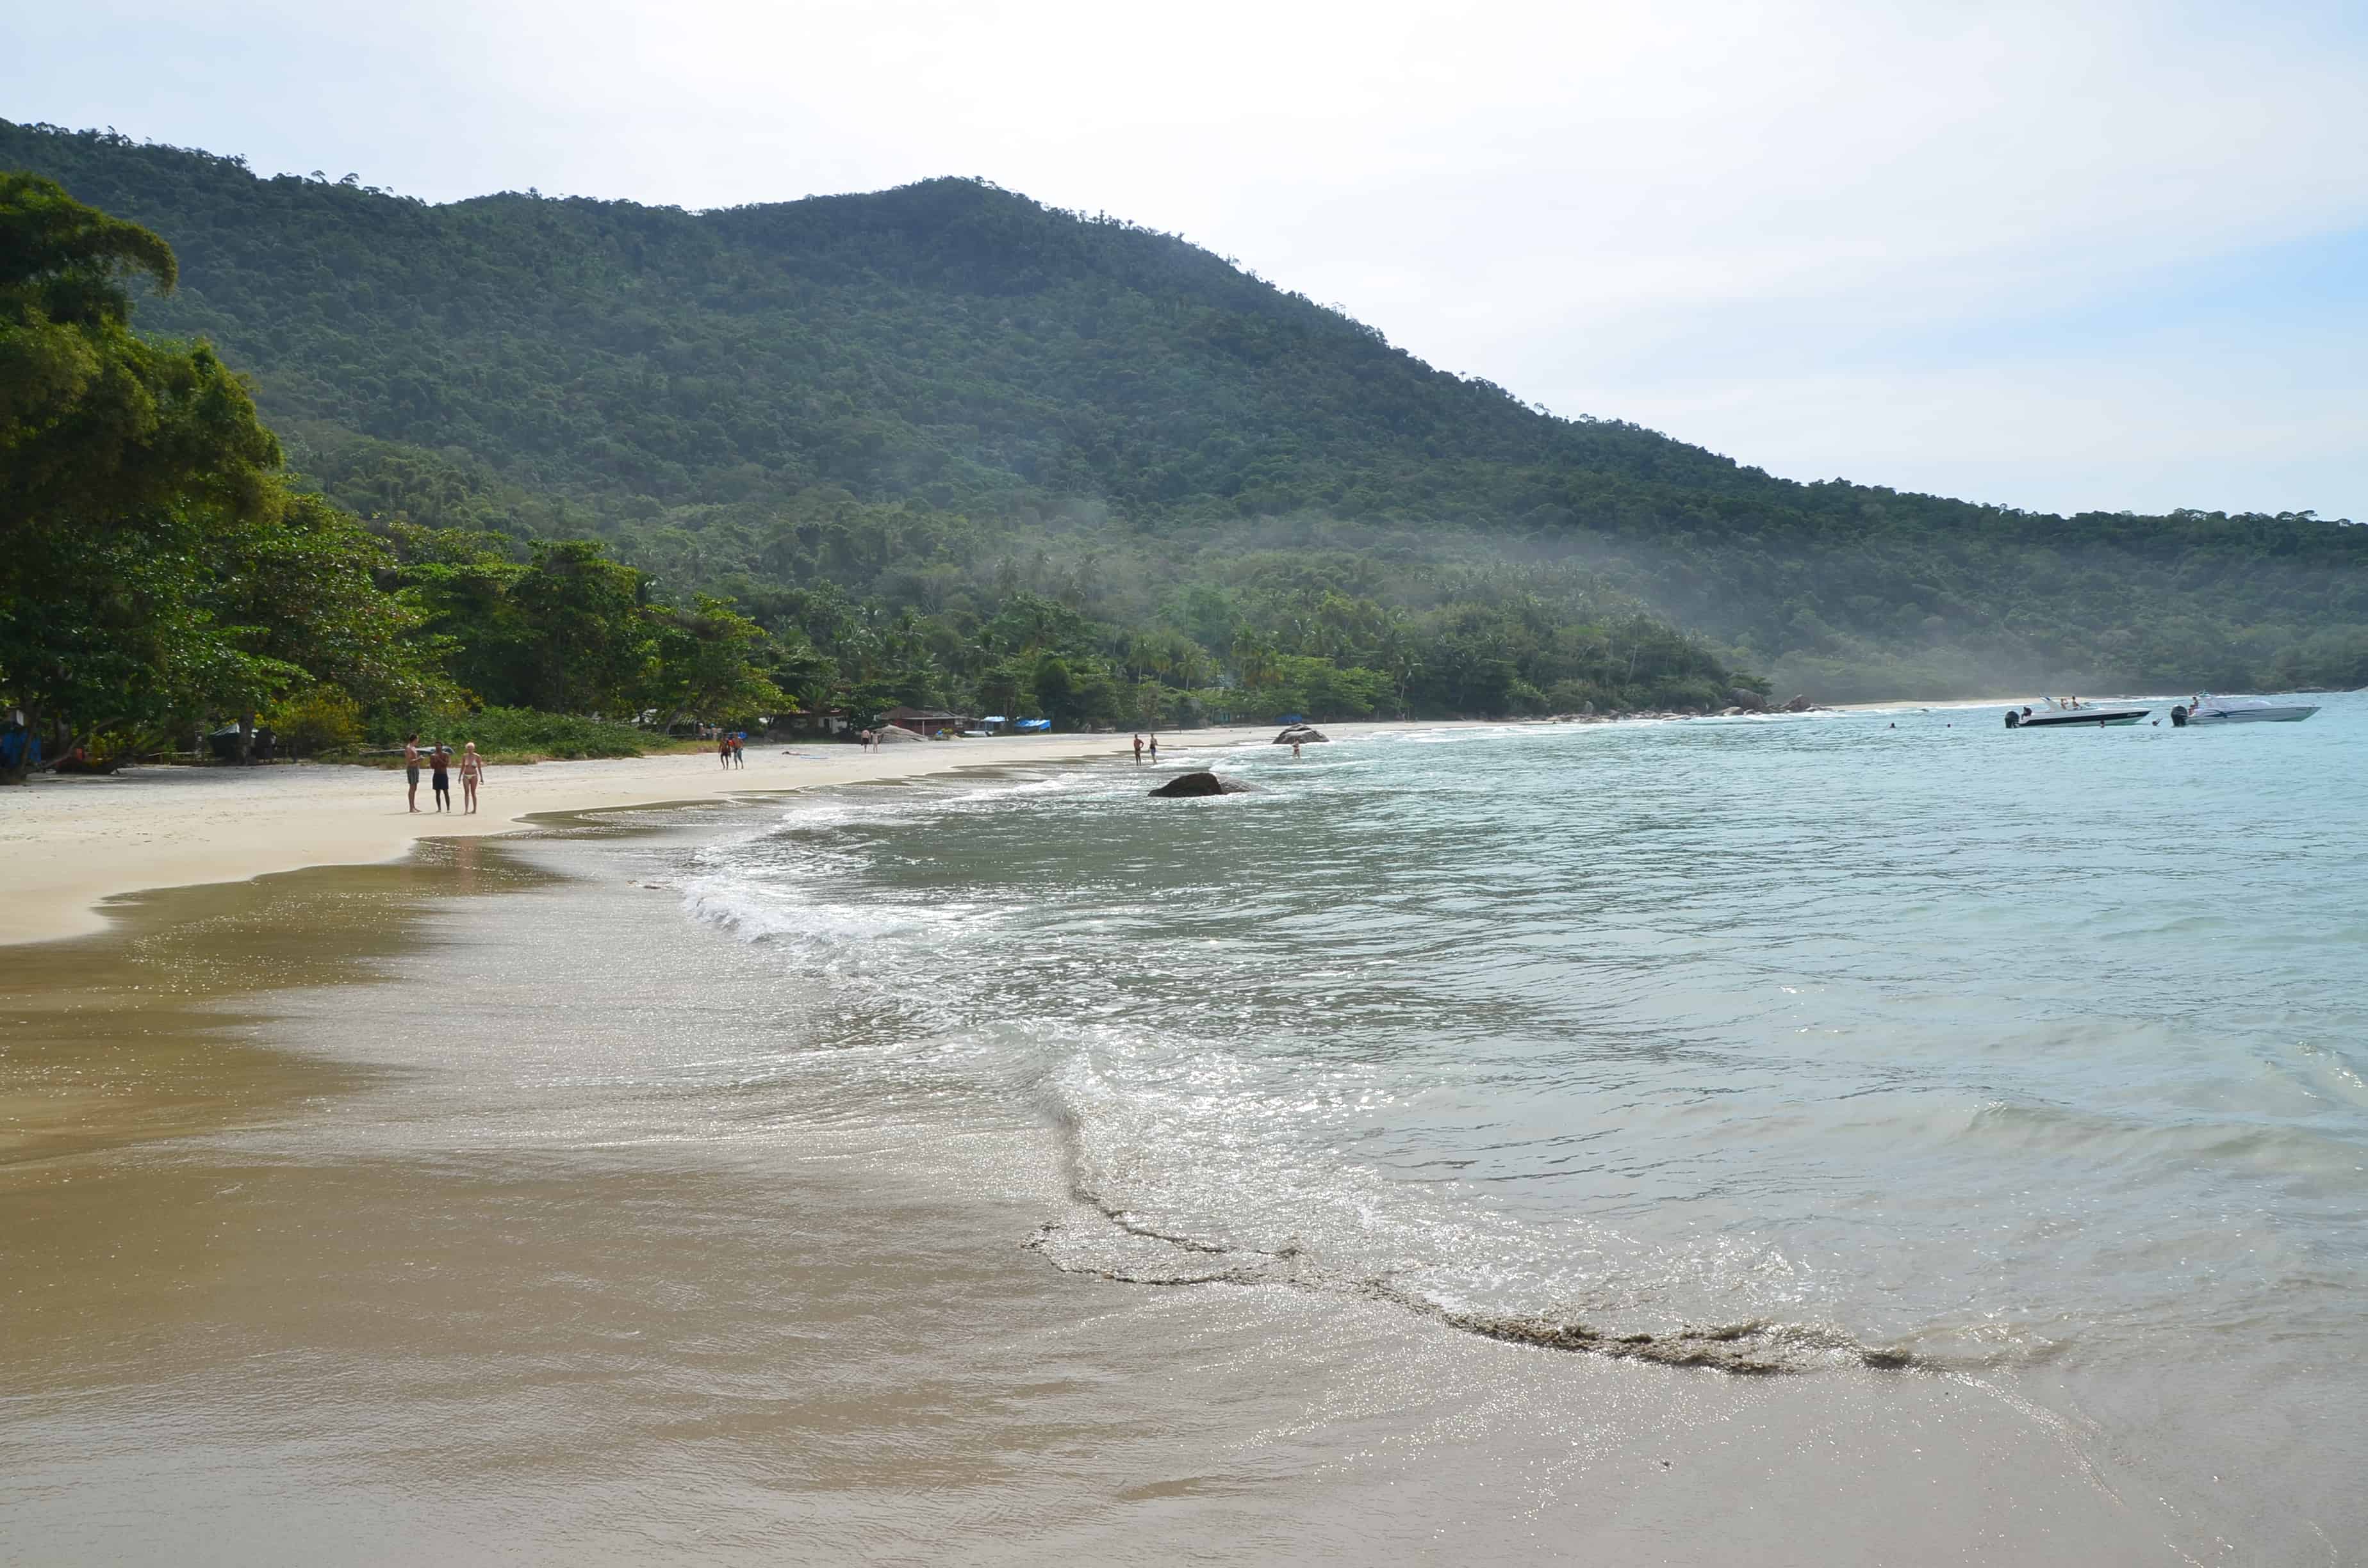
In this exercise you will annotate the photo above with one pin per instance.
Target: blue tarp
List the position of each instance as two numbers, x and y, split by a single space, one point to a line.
1290 719
1032 725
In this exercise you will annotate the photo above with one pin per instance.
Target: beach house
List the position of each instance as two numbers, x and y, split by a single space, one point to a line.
929 721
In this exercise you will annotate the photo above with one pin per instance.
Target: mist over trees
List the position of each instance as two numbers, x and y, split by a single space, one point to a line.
941 445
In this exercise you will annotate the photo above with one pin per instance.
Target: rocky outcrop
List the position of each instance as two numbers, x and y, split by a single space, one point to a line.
1798 705
1185 785
1300 735
1749 702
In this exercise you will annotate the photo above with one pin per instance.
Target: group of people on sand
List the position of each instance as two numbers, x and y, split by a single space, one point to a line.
439 760
1154 746
731 747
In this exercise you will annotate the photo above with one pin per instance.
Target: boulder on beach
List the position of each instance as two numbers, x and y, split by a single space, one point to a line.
1751 701
1204 783
1300 735
1798 705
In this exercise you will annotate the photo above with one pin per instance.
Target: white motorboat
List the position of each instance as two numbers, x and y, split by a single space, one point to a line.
2074 714
2248 710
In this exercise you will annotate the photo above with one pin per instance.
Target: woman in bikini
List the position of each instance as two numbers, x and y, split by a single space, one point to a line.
473 773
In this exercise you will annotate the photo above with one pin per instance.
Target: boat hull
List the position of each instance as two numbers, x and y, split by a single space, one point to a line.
2295 714
2084 719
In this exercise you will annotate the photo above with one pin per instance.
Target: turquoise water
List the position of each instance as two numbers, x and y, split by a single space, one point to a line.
2034 1060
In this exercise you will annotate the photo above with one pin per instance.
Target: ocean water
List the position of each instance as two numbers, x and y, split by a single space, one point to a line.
1851 1138
1776 1048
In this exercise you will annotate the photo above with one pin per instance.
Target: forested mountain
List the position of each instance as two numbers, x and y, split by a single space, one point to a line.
894 416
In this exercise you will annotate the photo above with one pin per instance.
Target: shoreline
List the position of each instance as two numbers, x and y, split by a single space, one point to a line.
81 844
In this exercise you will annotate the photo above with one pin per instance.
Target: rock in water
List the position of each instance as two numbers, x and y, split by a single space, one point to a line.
1185 784
1297 734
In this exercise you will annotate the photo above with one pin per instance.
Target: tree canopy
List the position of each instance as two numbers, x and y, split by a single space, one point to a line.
157 566
892 427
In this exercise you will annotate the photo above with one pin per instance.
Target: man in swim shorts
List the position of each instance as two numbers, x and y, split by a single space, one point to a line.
411 767
440 781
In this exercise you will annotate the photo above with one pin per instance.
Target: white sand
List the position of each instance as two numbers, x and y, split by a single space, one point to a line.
72 844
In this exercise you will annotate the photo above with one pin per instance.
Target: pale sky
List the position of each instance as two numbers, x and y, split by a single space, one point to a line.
2055 256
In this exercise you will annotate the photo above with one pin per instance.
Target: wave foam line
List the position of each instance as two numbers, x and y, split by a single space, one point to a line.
1752 1348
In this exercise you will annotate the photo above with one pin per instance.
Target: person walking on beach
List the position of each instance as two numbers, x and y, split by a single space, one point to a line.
440 781
473 773
722 749
411 768
1155 745
1138 751
740 748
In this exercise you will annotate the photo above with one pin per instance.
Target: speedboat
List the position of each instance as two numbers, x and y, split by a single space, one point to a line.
2073 714
2249 711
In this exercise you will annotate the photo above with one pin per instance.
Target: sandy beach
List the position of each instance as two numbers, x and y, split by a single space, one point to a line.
78 842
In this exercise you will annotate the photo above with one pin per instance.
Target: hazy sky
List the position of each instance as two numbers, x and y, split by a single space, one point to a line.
2057 256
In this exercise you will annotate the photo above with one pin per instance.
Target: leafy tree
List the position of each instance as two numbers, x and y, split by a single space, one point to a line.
711 661
587 645
323 718
130 471
297 598
1057 690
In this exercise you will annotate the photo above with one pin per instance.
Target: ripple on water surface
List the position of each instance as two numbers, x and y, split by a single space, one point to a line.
1781 1043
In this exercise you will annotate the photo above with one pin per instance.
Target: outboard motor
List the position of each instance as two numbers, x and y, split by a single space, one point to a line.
2178 715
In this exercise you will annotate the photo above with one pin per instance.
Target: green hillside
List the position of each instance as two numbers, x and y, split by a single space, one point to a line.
925 402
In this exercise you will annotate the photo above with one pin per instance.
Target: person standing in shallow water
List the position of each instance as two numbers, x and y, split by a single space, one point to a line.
440 781
411 769
1155 745
1138 751
473 773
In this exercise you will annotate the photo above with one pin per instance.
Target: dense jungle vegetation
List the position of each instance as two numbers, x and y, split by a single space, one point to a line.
943 445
